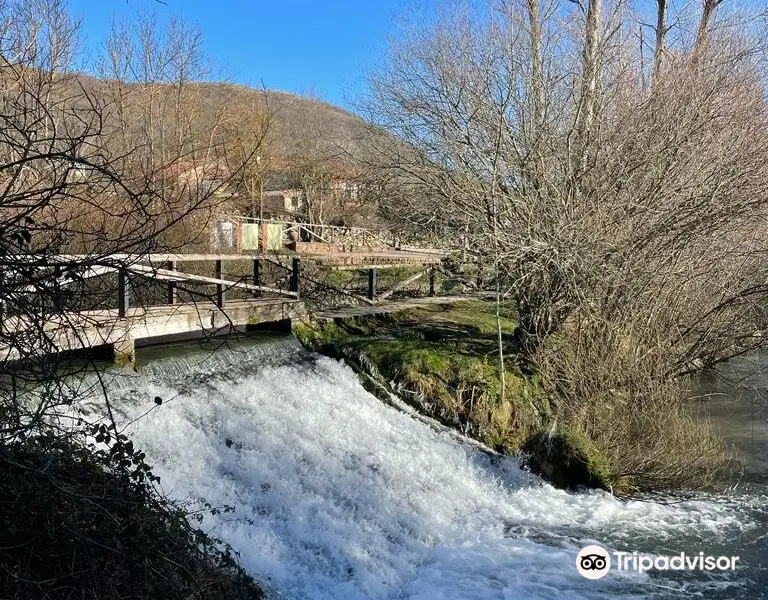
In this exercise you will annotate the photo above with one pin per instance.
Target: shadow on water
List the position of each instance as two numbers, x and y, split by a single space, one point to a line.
734 396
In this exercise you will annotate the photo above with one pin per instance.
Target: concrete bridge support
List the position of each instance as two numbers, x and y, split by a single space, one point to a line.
124 351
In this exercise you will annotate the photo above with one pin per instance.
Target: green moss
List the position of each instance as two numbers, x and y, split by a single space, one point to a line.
390 277
481 315
305 333
460 388
422 356
598 464
570 459
317 335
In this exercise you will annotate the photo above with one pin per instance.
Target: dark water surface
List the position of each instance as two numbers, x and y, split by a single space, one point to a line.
734 396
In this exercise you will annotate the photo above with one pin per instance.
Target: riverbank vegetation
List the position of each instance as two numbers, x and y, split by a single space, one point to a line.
606 162
442 359
86 522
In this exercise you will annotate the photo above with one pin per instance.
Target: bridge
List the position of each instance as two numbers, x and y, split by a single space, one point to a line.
158 297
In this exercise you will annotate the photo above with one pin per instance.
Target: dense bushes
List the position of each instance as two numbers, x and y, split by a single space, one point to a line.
77 522
611 385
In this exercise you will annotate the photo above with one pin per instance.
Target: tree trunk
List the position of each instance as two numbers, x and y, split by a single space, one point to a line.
591 71
537 93
661 30
705 23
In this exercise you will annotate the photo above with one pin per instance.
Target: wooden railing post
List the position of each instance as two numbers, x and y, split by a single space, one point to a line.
123 293
219 286
257 277
172 294
371 284
58 292
432 281
296 277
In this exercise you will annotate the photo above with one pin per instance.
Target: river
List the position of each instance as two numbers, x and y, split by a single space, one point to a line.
339 496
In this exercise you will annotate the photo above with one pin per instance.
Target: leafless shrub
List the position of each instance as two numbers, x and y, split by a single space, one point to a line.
105 169
609 380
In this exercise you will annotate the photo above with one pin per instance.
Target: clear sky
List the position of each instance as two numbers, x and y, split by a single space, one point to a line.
292 45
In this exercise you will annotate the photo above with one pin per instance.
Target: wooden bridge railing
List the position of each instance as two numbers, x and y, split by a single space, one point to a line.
148 267
168 270
86 317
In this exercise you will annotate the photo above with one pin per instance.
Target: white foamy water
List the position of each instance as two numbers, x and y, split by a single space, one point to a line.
340 496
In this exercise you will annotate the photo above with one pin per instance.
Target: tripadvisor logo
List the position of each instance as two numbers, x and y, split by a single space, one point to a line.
594 562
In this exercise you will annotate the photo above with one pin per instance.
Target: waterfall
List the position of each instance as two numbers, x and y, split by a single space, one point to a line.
337 495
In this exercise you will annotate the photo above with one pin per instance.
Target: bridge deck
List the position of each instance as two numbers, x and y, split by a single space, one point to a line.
90 329
380 258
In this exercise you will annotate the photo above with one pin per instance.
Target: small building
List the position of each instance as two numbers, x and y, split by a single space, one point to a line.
288 201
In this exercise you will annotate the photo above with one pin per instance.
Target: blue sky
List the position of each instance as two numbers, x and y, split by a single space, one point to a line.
293 45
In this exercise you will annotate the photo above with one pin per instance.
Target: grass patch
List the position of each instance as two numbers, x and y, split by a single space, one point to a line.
357 279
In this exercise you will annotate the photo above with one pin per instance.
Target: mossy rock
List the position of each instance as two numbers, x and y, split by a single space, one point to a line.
567 460
318 335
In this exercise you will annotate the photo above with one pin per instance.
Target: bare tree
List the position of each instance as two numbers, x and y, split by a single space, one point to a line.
245 136
590 74
103 169
705 22
661 32
630 212
178 131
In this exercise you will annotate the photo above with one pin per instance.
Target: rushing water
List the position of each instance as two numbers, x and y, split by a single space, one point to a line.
338 495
